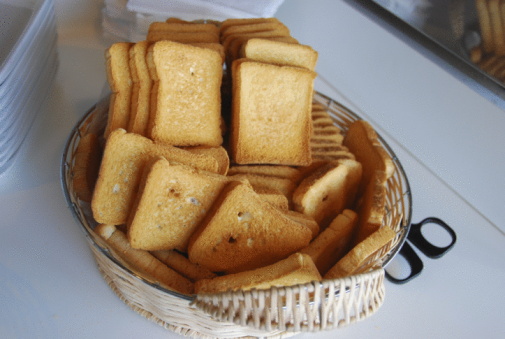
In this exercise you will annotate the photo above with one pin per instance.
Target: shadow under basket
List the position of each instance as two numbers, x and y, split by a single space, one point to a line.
277 312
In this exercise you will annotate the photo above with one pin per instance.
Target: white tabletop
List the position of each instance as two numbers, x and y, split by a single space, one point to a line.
448 137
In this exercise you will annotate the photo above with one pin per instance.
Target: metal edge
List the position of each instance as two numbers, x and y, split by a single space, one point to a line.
468 74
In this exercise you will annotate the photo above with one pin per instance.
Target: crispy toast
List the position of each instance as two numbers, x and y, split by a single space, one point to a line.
243 232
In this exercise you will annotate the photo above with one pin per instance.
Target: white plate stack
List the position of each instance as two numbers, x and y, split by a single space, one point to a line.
28 64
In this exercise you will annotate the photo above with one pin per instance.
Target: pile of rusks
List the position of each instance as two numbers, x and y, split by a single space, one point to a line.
489 55
216 171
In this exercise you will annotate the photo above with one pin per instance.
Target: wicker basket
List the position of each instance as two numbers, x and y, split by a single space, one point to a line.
275 312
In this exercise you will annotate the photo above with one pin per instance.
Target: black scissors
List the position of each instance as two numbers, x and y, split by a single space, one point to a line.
416 237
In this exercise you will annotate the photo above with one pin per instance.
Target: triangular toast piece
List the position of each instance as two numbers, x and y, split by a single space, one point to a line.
124 157
245 232
172 201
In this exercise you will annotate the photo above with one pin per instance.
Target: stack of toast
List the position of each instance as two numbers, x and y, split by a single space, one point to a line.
203 199
489 55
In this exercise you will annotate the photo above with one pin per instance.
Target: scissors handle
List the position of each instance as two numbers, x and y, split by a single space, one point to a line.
414 262
416 237
431 251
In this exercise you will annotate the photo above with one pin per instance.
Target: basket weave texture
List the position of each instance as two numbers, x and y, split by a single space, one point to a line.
277 312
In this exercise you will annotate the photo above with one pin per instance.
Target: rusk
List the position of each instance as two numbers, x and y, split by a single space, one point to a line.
141 89
356 260
280 53
271 108
143 261
124 157
171 203
243 232
179 263
328 190
86 166
186 108
378 167
295 269
120 82
332 243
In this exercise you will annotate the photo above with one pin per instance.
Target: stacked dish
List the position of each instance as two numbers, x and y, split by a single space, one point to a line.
28 63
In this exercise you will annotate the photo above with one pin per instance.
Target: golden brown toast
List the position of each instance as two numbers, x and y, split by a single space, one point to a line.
356 260
120 83
271 108
143 261
295 269
171 203
124 157
332 243
280 53
328 190
186 109
244 232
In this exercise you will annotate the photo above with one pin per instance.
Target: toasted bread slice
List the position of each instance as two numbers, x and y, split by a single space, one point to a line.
244 21
171 203
237 30
497 27
295 269
271 114
320 121
274 197
164 26
182 265
233 43
362 140
120 82
141 89
243 232
187 111
86 166
212 45
334 242
378 167
219 153
304 220
357 260
486 27
143 261
280 53
372 206
328 190
259 182
182 37
124 157
279 171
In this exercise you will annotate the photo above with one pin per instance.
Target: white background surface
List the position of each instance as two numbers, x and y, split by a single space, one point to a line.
449 139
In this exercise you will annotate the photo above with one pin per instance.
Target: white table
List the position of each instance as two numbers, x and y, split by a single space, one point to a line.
448 138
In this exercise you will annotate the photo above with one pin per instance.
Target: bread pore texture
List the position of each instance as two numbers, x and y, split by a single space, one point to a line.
186 102
271 114
172 201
